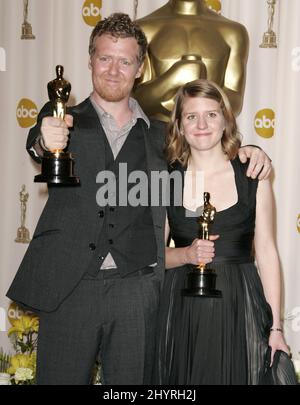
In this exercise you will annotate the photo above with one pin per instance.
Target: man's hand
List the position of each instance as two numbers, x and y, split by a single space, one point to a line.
55 132
259 161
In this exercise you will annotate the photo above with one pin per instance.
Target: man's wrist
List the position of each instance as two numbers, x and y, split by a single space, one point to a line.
38 148
40 142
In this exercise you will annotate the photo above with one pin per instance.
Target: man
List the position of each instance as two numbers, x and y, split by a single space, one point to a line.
94 273
187 41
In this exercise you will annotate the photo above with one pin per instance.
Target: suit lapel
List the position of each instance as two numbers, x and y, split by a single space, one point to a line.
91 133
155 163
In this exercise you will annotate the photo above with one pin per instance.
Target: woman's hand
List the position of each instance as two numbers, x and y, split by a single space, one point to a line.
277 342
201 251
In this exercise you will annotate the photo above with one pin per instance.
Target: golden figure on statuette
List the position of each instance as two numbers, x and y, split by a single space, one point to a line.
269 38
207 218
26 26
57 165
59 91
188 41
23 233
201 281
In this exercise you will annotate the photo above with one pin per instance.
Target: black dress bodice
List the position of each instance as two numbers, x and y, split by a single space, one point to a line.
235 225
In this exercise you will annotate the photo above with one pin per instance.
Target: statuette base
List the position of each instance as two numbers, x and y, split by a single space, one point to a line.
57 169
201 284
27 31
22 235
269 40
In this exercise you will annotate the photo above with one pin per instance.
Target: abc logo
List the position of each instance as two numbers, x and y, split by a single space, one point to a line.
298 223
14 312
91 12
26 113
265 123
214 5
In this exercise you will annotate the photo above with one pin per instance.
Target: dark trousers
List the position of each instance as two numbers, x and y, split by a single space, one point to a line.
109 316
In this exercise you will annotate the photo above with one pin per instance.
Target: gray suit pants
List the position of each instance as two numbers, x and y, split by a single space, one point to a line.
106 316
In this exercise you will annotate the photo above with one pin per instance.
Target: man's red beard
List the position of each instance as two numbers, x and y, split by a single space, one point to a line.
108 93
112 95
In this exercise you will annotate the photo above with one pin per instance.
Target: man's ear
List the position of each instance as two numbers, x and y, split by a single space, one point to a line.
90 64
140 71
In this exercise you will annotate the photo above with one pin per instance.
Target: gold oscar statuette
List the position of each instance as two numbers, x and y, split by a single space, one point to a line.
269 37
201 281
57 165
26 26
23 233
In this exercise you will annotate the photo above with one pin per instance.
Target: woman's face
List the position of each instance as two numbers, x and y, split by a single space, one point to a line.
202 123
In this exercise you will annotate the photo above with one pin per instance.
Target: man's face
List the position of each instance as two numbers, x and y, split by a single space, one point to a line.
114 67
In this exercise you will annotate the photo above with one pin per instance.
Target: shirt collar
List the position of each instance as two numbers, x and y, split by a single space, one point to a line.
133 105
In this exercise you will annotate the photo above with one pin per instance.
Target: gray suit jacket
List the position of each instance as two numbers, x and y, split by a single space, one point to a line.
59 252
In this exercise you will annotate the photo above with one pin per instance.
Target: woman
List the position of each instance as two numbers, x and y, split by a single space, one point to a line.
219 340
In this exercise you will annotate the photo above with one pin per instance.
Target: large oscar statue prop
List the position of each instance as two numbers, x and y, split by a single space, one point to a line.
57 165
188 41
201 281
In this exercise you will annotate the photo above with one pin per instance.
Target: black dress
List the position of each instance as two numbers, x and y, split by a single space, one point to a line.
218 340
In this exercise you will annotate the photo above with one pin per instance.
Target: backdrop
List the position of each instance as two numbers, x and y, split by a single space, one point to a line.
61 29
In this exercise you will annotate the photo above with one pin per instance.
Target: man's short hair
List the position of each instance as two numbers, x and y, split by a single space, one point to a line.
119 25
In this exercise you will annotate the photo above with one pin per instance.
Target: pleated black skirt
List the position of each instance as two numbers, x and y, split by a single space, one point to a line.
220 341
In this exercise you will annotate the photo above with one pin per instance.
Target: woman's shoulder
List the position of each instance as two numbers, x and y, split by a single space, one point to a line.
246 185
176 166
241 168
